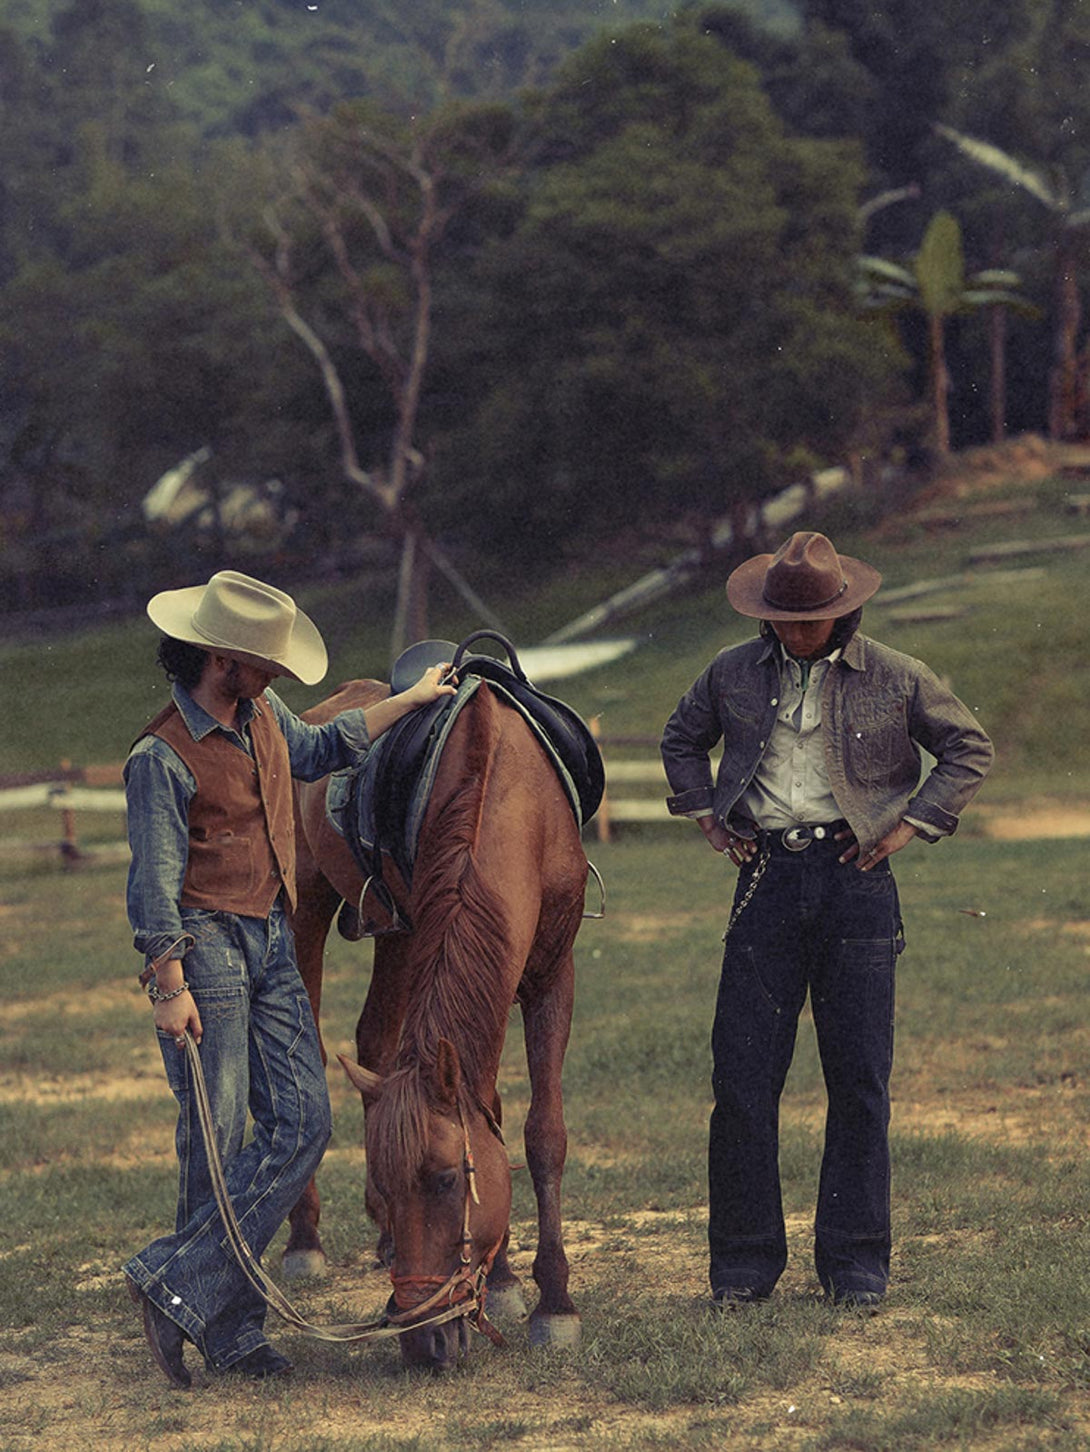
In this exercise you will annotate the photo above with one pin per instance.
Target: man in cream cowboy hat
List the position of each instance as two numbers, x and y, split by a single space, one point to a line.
818 786
209 792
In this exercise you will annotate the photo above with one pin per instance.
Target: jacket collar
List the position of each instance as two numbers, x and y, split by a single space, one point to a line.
854 653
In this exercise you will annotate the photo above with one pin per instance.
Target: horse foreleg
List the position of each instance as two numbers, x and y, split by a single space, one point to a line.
547 1019
505 1299
318 901
379 1026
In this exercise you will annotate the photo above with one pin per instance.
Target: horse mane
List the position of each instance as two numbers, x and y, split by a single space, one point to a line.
458 954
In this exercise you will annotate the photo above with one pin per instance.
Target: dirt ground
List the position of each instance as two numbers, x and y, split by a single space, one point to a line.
94 1388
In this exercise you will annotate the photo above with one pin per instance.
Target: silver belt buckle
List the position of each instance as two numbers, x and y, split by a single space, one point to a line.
797 839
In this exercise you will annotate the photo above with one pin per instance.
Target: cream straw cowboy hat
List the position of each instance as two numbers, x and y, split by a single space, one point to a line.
804 580
238 616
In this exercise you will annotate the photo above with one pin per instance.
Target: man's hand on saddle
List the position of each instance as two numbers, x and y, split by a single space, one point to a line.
722 839
435 682
892 842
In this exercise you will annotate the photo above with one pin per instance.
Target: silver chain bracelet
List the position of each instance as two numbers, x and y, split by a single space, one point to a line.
157 997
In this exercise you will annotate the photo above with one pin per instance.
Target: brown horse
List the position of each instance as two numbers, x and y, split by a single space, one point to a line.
496 901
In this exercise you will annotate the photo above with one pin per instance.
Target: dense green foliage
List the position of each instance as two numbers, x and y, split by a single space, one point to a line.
660 326
642 317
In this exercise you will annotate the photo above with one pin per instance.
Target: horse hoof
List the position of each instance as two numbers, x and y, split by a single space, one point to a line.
506 1303
299 1264
563 1332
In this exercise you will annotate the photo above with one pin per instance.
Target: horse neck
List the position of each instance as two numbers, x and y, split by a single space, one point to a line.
459 955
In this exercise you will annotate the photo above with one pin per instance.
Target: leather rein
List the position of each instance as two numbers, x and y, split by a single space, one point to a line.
461 1294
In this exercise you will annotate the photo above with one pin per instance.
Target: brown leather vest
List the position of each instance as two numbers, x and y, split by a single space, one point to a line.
241 819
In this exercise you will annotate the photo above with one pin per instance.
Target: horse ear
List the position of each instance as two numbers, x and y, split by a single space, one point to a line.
448 1073
366 1082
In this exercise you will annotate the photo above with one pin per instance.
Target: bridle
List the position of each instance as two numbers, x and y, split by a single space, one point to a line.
461 1294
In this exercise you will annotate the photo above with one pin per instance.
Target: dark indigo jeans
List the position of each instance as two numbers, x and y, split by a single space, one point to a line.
812 925
260 1055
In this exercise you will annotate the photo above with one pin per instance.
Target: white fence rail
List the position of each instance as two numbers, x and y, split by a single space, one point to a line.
68 790
636 791
641 777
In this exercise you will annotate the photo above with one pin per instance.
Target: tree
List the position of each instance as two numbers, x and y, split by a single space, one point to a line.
916 57
1069 209
670 324
937 284
350 260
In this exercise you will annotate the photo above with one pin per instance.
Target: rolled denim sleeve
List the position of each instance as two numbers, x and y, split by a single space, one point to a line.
963 754
315 751
158 790
689 735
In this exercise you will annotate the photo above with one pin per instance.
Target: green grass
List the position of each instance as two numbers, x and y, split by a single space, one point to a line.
985 1341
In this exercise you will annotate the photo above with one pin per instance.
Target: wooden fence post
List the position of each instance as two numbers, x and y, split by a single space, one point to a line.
69 845
602 817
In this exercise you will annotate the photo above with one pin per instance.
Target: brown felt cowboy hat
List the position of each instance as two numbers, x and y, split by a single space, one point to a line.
246 619
804 580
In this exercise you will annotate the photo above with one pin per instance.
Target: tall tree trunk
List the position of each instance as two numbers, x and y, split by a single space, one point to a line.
1063 384
411 609
940 384
997 327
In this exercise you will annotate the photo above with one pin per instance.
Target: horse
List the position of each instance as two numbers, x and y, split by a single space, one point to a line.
496 899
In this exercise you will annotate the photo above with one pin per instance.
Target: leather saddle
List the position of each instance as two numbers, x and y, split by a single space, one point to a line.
379 806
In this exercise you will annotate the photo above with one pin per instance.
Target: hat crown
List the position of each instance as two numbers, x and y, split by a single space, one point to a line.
240 613
236 615
805 574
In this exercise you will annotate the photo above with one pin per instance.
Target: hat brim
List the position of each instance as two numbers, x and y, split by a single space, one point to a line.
305 659
745 591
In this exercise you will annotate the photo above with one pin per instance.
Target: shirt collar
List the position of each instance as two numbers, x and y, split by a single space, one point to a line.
199 722
823 660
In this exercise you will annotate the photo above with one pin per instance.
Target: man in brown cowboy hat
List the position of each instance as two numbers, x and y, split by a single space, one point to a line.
209 793
818 786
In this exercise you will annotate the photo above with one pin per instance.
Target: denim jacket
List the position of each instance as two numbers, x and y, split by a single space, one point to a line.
879 708
158 790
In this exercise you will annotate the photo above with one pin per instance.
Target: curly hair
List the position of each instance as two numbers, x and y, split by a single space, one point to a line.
181 661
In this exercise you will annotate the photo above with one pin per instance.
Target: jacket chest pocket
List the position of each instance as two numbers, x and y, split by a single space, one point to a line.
876 745
745 707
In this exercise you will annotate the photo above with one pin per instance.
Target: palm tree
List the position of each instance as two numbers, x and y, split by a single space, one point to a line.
938 286
1070 224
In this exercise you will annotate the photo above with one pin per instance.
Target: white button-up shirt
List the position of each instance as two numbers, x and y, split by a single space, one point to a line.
791 784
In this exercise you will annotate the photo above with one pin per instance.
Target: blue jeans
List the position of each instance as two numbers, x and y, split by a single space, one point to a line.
811 925
260 1055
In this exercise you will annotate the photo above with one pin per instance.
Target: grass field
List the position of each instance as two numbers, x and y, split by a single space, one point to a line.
984 1342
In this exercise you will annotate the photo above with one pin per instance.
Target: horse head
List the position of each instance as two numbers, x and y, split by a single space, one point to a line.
439 1178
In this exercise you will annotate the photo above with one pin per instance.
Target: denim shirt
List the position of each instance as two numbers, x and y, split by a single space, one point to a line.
159 787
879 708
